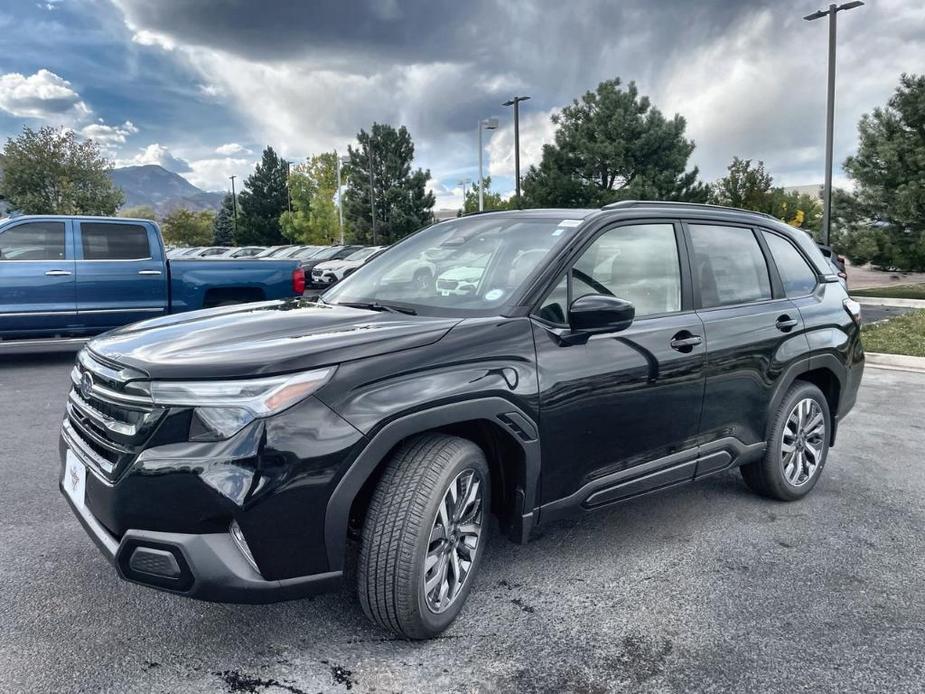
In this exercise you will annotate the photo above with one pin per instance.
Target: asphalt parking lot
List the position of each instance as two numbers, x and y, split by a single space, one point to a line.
708 588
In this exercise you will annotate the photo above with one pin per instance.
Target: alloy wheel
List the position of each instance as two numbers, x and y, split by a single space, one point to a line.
454 540
803 442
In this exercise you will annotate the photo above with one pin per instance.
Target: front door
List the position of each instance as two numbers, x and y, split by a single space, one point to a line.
621 405
36 279
121 274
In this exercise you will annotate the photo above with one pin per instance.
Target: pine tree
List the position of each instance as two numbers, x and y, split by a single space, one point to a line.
402 202
262 201
223 228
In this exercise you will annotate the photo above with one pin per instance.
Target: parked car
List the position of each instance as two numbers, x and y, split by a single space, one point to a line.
331 272
239 252
837 262
91 274
328 253
181 252
603 354
211 252
273 251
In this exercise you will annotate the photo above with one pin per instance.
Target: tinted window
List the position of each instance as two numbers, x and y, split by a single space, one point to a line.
33 241
729 266
798 278
114 241
638 263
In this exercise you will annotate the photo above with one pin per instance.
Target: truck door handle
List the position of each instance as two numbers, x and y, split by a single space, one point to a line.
58 273
785 323
685 341
149 272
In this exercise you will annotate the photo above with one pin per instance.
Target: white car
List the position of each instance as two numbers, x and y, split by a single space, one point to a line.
333 271
459 281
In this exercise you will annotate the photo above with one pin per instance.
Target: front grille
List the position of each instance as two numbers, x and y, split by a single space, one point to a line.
447 284
111 425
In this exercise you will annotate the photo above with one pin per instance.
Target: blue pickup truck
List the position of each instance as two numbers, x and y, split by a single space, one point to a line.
71 277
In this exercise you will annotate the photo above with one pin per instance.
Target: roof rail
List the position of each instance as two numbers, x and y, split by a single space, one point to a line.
658 203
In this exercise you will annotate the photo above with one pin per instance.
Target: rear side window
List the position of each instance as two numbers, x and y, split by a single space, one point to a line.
114 241
33 241
795 273
729 267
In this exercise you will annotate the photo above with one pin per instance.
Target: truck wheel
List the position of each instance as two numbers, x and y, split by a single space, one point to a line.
798 444
424 534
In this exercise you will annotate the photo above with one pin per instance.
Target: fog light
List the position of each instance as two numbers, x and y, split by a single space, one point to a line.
238 536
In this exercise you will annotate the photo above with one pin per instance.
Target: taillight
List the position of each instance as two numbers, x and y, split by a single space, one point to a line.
854 309
298 281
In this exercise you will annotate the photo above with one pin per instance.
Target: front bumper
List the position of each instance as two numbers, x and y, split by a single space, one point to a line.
203 566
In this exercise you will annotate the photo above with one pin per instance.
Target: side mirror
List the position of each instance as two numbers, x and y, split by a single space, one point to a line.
598 313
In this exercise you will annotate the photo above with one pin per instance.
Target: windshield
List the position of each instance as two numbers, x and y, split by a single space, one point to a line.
362 254
464 266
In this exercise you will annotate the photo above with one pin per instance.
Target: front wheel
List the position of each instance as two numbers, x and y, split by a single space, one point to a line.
797 447
424 535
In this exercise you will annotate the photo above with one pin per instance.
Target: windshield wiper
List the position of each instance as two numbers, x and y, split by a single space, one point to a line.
377 306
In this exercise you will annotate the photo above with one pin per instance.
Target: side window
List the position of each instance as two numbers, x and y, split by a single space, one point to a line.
729 266
798 278
555 308
33 241
114 241
638 263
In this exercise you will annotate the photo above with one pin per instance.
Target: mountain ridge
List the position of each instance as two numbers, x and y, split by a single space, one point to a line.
163 190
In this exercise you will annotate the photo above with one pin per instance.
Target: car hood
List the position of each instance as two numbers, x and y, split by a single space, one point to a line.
263 339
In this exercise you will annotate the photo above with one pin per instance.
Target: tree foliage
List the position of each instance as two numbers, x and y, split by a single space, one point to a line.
262 201
884 221
749 186
313 186
402 201
51 171
184 227
490 199
612 144
138 212
223 224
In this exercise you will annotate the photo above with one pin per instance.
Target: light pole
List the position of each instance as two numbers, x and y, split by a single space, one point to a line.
288 189
464 183
830 111
484 124
234 206
515 102
372 184
341 160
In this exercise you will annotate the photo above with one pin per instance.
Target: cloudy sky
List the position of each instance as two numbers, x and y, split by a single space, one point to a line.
200 86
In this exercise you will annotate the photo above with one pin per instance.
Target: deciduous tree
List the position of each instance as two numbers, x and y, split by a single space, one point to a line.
51 171
184 227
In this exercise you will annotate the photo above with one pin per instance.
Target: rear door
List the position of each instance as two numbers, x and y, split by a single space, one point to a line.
753 331
121 273
36 278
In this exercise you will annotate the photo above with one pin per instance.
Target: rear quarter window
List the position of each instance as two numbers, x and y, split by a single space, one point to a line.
796 275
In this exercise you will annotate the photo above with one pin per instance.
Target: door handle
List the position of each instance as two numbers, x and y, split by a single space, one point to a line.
685 342
58 273
785 323
149 272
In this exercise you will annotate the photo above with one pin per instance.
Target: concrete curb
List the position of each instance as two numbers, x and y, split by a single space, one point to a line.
896 362
884 301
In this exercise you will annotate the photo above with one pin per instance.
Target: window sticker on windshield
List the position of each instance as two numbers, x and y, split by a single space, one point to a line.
558 232
570 222
494 294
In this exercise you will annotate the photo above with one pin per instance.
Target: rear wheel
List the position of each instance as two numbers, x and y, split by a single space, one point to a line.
797 448
423 536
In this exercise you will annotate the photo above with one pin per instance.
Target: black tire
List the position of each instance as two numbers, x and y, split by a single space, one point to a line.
397 533
767 476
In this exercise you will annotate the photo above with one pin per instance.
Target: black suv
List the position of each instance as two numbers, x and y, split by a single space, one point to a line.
586 357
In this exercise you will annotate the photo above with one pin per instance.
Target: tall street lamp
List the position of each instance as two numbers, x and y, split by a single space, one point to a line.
830 111
464 184
234 206
341 160
515 102
484 124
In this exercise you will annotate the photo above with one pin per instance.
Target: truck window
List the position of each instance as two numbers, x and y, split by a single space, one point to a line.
114 241
33 241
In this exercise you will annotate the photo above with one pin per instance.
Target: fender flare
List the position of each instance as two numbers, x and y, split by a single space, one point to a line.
800 367
493 409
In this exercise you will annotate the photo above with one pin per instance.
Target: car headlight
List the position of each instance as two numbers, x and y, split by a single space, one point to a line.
223 408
